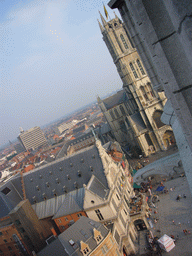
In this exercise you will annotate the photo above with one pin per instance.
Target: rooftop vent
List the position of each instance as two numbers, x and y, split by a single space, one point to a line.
68 177
79 173
40 176
75 185
60 169
44 196
38 188
93 156
57 181
34 199
65 189
31 180
71 164
50 173
82 160
47 184
91 168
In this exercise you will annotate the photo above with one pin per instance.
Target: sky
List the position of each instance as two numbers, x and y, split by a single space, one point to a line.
53 61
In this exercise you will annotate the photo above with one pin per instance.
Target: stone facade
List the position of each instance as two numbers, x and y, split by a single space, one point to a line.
111 206
142 104
164 43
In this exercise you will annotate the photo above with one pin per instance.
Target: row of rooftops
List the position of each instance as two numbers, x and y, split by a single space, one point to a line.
69 242
57 178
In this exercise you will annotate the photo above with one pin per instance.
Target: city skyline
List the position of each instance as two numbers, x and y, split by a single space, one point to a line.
43 77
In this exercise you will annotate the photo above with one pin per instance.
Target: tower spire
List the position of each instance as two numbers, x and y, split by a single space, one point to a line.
101 27
103 20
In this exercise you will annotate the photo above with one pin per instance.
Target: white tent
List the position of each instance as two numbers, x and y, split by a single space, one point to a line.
166 243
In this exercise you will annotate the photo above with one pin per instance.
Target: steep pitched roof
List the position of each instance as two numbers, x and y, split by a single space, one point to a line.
97 187
73 202
115 99
82 230
66 173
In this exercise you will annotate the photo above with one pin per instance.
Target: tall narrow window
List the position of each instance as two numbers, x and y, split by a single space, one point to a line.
99 215
112 115
151 90
123 41
144 93
116 113
133 70
122 110
140 67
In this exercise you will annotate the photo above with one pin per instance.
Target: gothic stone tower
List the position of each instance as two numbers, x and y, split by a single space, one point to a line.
137 85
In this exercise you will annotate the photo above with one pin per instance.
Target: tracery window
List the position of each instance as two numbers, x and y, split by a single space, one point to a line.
144 93
111 114
122 110
133 70
140 67
123 41
116 113
150 89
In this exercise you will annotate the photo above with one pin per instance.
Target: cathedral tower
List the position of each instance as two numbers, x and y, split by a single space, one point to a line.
136 83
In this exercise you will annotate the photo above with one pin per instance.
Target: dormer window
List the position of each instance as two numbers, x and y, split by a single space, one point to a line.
97 235
85 248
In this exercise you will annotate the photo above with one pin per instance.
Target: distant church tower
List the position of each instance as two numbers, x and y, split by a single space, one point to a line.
137 83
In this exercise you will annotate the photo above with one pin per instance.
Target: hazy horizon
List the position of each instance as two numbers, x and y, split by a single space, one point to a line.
50 71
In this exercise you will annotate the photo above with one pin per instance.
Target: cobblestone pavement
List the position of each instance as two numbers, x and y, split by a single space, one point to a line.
169 210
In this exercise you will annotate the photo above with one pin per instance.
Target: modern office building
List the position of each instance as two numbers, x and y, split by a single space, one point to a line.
32 138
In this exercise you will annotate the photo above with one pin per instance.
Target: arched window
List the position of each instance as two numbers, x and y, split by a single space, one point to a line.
157 118
144 93
140 67
112 115
116 113
150 89
122 110
133 70
123 41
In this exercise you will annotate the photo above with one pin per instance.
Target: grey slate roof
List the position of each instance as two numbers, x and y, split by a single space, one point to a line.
73 202
66 173
6 205
55 248
82 230
97 187
63 151
115 99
